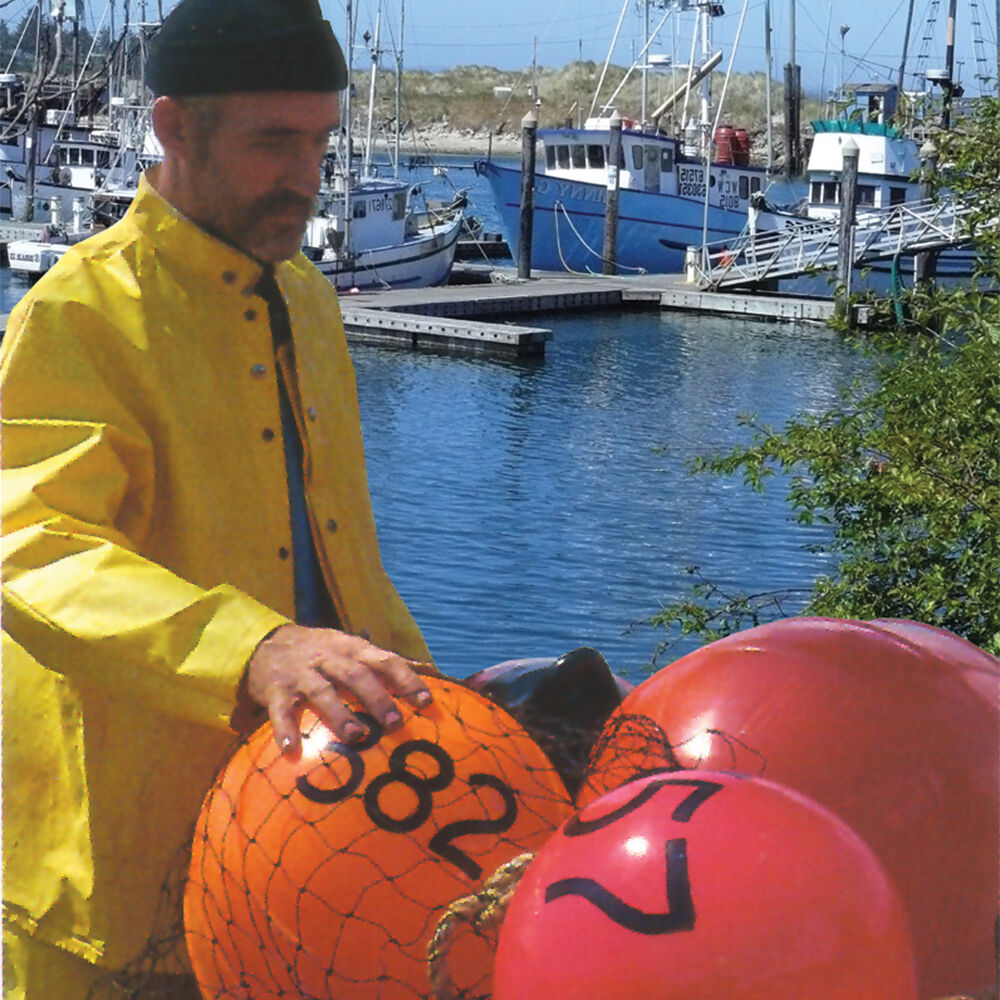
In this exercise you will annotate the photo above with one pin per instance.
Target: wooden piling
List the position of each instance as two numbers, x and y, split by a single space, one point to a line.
925 264
529 134
848 218
608 265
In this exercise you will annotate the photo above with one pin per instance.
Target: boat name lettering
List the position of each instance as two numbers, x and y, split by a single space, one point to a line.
691 182
381 203
581 192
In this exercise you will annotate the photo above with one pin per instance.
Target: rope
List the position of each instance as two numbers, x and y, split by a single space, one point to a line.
483 911
560 207
897 291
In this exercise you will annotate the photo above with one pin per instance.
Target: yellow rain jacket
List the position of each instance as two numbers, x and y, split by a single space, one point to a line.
147 552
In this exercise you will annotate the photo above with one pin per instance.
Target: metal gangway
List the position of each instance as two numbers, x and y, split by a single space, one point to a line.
804 246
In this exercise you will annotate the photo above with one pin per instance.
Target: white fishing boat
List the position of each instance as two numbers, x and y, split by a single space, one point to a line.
388 241
84 140
370 231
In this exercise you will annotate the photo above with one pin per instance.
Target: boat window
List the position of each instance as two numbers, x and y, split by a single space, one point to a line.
712 181
866 194
666 160
63 156
621 155
827 191
595 156
562 157
754 184
744 187
550 157
74 157
399 205
104 158
88 157
579 156
636 156
897 195
360 209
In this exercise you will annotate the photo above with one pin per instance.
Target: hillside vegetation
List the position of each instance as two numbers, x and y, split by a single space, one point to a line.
482 99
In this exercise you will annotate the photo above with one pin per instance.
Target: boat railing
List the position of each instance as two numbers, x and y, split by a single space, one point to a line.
804 246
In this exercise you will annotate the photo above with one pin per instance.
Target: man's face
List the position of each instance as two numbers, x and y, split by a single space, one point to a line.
255 172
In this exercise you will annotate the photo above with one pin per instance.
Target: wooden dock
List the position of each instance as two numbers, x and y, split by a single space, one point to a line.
390 328
393 316
475 316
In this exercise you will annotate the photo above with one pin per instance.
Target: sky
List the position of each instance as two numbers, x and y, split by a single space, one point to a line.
504 33
851 41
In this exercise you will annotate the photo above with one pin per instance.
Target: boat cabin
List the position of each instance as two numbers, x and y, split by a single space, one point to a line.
649 162
887 160
379 210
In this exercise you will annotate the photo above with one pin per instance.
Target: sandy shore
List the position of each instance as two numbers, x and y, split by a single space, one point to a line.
462 142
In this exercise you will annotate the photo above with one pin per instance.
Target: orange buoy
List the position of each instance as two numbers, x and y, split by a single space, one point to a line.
323 875
700 884
886 732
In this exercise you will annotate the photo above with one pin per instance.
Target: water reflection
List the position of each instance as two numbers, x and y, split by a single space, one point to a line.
527 509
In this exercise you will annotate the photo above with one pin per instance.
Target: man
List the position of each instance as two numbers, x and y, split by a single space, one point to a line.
188 537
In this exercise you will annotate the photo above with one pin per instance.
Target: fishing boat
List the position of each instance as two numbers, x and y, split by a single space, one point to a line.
379 236
889 127
673 192
86 137
372 231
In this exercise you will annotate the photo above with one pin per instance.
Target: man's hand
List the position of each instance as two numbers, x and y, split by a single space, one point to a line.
296 664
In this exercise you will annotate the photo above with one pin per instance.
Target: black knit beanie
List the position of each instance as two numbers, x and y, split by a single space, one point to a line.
232 46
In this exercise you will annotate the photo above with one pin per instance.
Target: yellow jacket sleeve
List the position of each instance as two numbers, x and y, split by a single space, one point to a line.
78 499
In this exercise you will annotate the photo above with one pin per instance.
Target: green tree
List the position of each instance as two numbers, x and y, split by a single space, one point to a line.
905 469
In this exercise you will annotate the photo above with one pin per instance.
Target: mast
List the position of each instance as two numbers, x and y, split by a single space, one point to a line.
706 83
793 85
906 46
645 64
375 53
399 83
767 91
345 246
949 66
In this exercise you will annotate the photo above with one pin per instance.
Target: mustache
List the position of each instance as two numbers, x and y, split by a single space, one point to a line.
284 201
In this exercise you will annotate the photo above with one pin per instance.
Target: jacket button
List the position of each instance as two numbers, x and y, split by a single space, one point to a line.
331 525
250 315
283 553
258 371
228 277
267 434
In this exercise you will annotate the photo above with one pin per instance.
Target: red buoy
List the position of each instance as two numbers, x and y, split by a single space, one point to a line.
700 884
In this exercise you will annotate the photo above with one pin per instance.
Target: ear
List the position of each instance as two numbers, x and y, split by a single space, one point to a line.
170 123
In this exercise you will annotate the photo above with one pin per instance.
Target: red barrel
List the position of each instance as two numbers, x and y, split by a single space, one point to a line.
741 147
724 135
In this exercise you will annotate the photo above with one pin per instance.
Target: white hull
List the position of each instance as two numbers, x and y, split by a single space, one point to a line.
420 261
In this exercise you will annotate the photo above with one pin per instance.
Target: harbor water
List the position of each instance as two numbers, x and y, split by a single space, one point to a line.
528 507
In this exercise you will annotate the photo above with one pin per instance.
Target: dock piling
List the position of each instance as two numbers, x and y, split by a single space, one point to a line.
529 134
848 218
608 265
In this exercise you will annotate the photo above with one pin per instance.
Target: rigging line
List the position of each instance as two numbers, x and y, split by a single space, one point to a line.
718 116
607 61
876 39
649 41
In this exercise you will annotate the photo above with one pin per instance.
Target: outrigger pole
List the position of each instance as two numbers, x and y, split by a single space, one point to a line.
906 46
